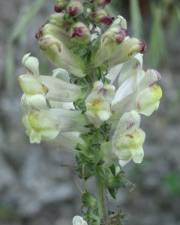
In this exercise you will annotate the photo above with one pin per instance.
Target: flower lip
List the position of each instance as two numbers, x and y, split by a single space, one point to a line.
143 46
120 35
39 34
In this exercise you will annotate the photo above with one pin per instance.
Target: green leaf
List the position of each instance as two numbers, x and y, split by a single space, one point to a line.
89 200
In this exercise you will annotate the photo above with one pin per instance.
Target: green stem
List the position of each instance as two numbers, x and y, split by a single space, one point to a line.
103 214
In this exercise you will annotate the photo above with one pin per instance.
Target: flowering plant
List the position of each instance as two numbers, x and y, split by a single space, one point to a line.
93 101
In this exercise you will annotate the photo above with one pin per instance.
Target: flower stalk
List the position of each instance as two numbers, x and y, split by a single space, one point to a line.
102 204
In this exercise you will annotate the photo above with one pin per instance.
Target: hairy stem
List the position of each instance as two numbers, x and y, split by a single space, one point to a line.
103 212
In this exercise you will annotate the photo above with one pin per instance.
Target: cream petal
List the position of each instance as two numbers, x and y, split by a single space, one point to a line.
128 122
47 124
37 101
61 74
78 220
149 78
30 85
128 138
31 64
126 89
123 163
59 90
98 103
148 99
137 155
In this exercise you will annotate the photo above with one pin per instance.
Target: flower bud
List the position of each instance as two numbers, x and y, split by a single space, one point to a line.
107 20
75 8
100 16
126 50
80 32
59 6
55 27
111 41
60 55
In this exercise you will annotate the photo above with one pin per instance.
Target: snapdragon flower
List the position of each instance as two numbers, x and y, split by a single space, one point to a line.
128 139
39 88
47 124
137 89
98 103
45 118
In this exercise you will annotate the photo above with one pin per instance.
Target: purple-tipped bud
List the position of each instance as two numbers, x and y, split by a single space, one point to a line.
74 8
100 16
77 32
120 35
59 6
143 47
107 20
81 32
73 11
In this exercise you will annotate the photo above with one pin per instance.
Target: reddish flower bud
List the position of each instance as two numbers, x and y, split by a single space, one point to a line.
77 32
100 16
107 20
81 32
59 6
72 11
74 8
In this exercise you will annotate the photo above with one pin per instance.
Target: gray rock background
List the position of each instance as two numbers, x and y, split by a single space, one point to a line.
38 182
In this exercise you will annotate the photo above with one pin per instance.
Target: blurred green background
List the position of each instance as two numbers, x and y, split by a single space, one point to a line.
38 182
